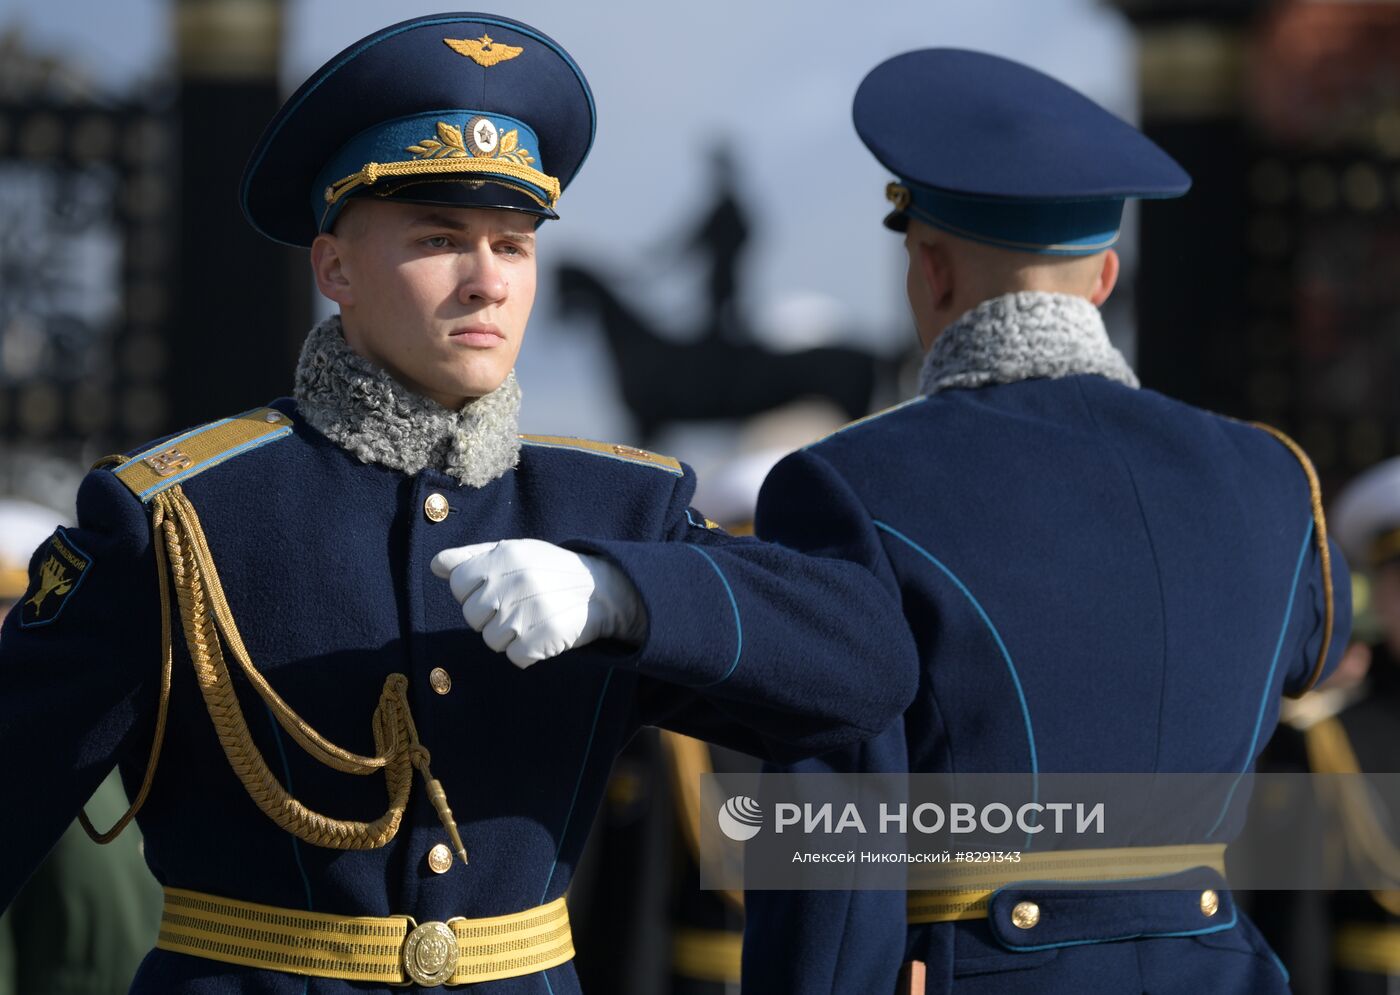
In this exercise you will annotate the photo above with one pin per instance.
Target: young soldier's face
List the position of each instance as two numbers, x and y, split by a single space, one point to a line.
436 296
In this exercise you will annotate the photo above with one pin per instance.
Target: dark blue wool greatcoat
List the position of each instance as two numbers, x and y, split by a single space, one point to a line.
1098 579
325 562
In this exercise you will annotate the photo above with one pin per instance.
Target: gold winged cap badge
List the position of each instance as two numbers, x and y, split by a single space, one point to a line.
483 51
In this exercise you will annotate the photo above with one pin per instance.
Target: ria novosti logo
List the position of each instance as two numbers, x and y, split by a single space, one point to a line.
741 818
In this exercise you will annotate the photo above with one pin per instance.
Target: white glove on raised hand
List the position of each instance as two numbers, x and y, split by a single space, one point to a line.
532 600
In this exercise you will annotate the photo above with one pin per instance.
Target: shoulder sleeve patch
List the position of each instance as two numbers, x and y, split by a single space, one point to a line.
56 573
176 460
608 450
873 416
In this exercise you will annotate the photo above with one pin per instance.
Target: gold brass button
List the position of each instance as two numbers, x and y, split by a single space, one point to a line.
440 859
430 954
1025 915
440 680
435 507
1210 902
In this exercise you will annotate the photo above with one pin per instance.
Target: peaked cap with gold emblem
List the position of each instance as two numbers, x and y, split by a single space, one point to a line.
466 110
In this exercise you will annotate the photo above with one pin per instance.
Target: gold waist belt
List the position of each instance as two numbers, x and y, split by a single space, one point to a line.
1371 948
962 890
393 950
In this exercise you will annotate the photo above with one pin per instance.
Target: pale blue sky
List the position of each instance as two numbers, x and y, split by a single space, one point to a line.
776 76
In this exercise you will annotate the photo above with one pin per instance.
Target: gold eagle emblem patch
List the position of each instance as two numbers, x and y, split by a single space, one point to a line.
483 51
60 568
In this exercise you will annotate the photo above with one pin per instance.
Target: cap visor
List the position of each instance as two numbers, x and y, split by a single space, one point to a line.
478 191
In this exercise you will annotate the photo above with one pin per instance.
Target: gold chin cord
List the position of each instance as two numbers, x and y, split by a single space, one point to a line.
184 557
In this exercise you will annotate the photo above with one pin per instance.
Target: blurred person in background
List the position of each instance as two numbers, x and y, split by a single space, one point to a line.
719 240
1353 726
1098 578
82 923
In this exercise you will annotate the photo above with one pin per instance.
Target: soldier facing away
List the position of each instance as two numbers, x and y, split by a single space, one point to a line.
1098 578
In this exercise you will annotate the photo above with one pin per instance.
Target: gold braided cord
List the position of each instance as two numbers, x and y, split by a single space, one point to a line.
204 617
322 749
372 172
395 736
1324 554
162 710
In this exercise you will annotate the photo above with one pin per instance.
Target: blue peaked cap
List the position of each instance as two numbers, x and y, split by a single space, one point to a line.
994 151
461 109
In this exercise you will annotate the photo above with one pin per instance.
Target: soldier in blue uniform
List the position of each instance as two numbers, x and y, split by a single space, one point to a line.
1098 578
340 786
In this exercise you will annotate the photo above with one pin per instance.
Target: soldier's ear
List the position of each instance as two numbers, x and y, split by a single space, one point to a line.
1107 279
939 274
329 266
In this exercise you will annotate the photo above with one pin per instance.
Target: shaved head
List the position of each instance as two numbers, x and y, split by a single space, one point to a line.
949 276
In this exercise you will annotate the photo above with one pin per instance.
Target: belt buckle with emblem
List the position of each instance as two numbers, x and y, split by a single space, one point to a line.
430 953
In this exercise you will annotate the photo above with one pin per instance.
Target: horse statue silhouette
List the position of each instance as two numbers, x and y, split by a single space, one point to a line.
665 381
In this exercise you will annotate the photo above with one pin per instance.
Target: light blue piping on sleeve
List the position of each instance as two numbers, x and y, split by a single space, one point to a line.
1005 654
1268 681
738 625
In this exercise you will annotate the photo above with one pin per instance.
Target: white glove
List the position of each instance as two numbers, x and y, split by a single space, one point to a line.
533 600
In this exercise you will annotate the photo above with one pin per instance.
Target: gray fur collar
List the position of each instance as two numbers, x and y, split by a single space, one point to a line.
1023 336
361 408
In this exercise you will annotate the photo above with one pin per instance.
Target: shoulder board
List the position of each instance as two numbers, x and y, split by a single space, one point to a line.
175 460
870 418
608 450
